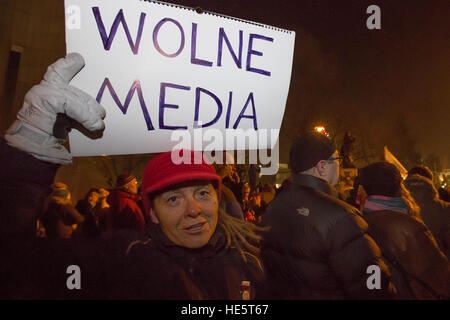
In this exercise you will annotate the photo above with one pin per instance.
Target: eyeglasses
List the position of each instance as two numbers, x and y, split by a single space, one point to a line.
336 158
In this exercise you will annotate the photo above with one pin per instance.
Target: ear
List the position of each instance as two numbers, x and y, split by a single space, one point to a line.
321 168
153 217
361 196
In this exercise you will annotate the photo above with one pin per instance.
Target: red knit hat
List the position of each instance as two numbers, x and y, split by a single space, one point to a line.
123 179
161 172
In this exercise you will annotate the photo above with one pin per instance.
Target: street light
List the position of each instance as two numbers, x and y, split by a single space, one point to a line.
321 129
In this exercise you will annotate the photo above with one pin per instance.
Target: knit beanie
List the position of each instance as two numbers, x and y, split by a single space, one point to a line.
380 178
161 172
309 149
123 179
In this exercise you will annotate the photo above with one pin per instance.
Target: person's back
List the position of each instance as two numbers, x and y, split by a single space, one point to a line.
420 269
59 214
314 241
87 208
435 212
318 246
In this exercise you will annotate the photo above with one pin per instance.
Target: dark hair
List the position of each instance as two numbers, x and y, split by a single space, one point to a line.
380 178
309 149
444 194
90 191
384 179
423 171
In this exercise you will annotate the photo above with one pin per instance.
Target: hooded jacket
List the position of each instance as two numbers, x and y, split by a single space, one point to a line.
318 246
435 212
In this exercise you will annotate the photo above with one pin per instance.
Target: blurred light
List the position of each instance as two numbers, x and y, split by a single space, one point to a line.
277 185
321 129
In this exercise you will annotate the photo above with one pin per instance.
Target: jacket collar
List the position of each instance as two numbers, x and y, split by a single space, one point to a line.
184 255
124 194
312 182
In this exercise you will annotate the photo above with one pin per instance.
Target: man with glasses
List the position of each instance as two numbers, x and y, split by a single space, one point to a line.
318 246
125 212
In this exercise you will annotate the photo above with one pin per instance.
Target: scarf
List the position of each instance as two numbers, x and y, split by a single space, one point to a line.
378 203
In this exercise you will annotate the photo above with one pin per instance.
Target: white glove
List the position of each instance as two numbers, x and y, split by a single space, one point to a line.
33 131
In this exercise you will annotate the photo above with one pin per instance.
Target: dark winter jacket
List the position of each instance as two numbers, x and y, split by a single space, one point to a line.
90 227
59 217
318 246
419 269
125 212
158 269
435 212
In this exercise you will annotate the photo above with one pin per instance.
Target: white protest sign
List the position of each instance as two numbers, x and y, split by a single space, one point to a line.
157 68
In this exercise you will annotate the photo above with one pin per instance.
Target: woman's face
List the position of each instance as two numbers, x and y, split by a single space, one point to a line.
188 215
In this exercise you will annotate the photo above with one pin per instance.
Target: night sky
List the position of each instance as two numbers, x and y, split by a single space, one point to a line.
368 81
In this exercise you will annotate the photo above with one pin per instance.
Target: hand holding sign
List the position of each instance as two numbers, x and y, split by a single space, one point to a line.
37 121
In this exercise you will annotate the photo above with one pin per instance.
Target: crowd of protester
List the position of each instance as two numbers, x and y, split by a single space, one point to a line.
203 231
105 210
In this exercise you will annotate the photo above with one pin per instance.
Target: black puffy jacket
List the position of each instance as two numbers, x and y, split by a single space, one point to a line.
318 246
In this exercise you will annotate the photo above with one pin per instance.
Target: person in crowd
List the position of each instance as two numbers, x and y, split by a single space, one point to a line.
60 218
260 201
318 246
103 208
426 172
444 194
247 203
87 207
227 199
103 198
125 212
434 212
245 195
419 268
194 250
231 179
253 176
423 171
202 248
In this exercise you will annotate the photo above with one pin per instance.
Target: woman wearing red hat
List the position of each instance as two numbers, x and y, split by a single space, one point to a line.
195 250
